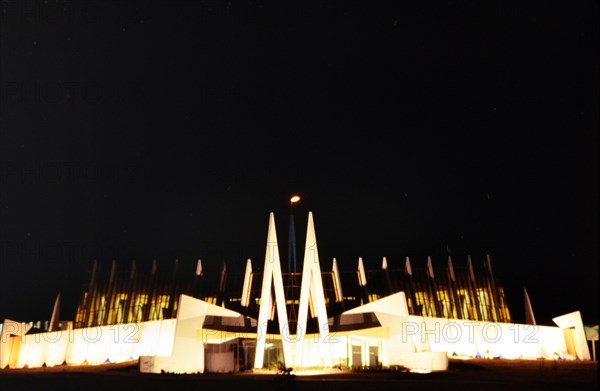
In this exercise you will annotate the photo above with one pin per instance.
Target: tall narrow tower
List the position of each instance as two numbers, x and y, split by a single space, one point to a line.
292 293
292 236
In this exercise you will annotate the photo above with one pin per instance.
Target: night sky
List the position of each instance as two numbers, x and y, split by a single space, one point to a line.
169 130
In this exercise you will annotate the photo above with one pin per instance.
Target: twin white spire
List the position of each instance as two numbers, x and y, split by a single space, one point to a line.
311 290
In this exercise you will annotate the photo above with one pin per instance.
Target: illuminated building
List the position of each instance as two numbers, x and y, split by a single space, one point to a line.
187 323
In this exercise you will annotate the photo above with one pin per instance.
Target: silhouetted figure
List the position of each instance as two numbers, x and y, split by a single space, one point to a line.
282 369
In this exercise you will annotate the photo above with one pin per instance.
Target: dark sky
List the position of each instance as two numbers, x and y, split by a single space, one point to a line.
163 130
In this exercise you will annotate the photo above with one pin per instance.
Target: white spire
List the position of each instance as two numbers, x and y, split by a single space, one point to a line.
55 320
430 267
451 268
529 317
470 267
339 295
384 264
488 265
407 266
246 289
362 276
113 271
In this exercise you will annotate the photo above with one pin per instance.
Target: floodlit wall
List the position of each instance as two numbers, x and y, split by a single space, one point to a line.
166 345
410 336
188 349
339 349
573 325
177 345
483 339
396 349
96 345
399 348
10 341
44 348
317 351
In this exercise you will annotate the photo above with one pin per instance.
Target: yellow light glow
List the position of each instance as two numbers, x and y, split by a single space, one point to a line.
417 370
294 199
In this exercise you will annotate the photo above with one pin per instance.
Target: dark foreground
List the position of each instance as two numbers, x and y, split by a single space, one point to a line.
463 375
